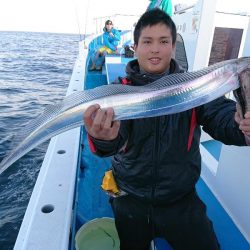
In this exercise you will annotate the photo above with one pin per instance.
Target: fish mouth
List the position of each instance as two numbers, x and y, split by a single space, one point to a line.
242 94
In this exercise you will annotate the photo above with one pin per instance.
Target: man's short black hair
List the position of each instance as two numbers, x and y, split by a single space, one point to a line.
153 17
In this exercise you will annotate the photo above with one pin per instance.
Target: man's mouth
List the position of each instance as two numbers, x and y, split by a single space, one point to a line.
155 60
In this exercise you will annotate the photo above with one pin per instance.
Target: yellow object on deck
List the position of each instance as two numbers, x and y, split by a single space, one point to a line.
105 48
108 183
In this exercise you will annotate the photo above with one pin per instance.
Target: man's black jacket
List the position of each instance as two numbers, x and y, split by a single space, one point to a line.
158 159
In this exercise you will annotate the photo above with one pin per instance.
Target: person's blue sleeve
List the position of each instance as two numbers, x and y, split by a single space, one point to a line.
117 35
105 39
107 43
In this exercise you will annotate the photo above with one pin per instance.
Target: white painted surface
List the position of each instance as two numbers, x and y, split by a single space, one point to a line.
112 59
246 49
55 186
205 33
231 184
205 136
197 25
209 161
236 22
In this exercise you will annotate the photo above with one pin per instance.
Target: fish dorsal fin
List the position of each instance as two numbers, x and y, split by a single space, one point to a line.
178 78
112 89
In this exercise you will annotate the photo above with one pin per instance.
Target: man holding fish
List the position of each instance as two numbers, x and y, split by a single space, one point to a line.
156 161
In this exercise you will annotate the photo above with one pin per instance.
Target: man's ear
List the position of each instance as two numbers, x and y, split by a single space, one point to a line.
135 48
173 50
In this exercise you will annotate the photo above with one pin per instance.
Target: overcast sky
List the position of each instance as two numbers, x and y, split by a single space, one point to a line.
68 16
60 15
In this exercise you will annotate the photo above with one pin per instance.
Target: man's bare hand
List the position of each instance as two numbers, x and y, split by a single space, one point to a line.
99 123
244 124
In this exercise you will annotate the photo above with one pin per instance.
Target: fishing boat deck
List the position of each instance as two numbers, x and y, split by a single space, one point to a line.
227 233
93 202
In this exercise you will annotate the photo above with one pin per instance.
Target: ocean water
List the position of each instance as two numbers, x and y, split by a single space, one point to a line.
35 70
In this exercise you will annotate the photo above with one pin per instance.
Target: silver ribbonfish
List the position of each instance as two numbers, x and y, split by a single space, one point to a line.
170 94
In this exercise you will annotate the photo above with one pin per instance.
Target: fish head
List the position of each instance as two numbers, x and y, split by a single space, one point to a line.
244 78
242 94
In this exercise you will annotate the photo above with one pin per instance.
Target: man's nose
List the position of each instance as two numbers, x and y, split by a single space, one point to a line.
155 48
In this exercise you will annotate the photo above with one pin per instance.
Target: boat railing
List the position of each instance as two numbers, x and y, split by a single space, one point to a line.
180 8
236 14
121 22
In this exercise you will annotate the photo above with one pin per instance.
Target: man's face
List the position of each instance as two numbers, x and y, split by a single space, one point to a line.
154 48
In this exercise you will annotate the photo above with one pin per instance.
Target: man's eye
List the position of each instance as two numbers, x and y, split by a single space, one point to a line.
165 41
146 42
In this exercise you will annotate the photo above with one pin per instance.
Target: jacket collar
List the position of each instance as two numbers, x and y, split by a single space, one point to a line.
140 78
